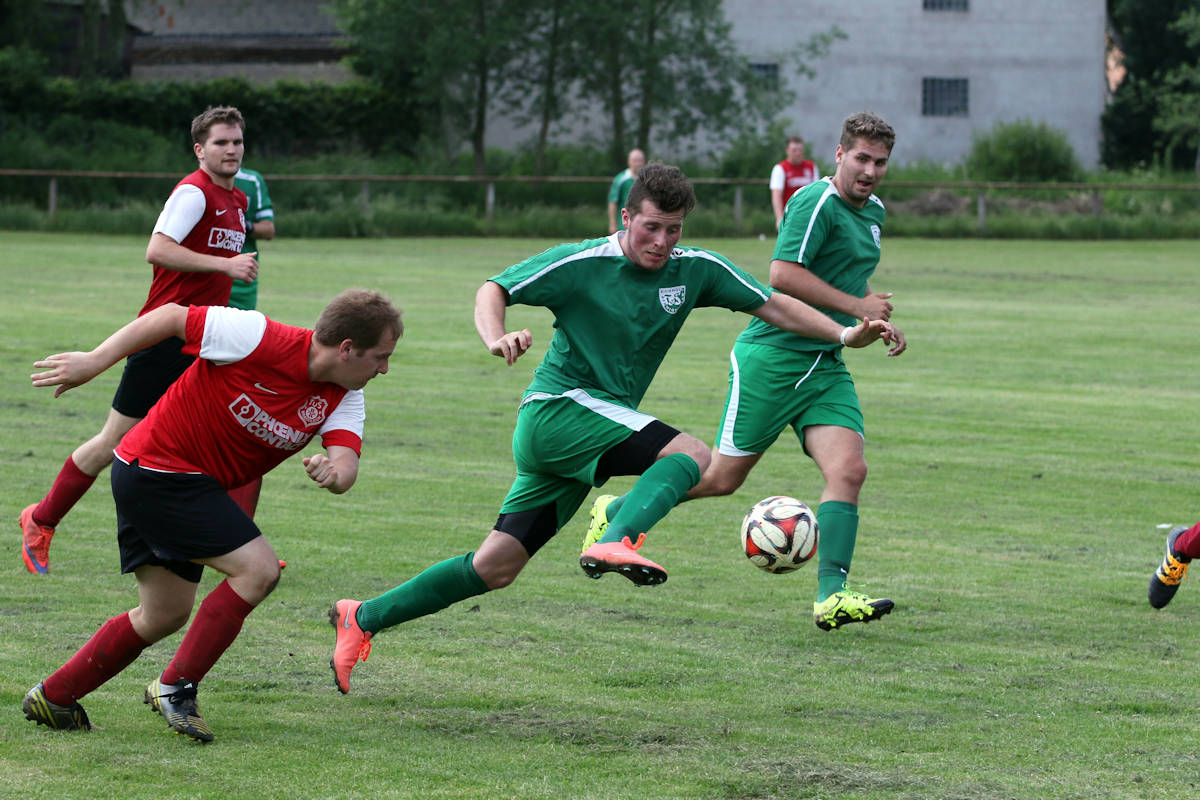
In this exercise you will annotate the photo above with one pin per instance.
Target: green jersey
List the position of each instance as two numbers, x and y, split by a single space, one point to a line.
619 192
245 295
836 241
614 321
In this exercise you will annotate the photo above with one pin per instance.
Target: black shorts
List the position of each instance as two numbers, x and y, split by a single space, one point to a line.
147 375
166 519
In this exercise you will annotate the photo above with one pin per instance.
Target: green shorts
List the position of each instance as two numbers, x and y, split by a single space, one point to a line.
772 387
557 444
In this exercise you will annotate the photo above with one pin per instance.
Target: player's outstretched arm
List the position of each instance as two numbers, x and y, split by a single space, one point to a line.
336 469
68 370
491 301
790 314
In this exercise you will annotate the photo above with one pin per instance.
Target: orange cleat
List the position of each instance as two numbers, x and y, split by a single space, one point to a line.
353 643
35 549
622 557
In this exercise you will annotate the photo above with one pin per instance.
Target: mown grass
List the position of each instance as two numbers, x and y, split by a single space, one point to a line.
1022 454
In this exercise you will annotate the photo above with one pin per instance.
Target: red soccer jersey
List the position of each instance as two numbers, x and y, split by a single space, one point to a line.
796 176
220 232
245 405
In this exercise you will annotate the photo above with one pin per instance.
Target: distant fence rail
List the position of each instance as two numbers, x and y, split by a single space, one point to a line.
981 188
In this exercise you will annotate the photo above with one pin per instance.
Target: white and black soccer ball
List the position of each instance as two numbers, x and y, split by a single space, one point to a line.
779 534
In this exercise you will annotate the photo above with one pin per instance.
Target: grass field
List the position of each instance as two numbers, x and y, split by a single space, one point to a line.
1022 453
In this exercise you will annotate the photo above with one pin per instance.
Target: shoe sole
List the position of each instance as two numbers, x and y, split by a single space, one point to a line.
880 611
639 574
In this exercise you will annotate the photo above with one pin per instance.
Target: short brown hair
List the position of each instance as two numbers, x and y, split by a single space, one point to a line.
214 115
795 139
865 125
666 186
360 315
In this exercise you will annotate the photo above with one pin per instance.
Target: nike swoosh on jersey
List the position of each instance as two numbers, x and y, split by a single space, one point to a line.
221 211
262 388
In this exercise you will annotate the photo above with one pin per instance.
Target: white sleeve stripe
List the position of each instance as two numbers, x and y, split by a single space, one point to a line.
609 245
812 220
710 257
231 334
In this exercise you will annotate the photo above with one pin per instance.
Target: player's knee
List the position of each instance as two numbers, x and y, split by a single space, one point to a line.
499 576
851 474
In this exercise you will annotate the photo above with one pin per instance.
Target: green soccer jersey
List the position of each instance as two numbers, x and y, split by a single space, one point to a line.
245 295
619 192
614 321
837 242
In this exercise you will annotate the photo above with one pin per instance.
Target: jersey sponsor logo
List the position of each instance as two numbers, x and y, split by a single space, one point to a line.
313 411
226 239
875 235
671 298
261 424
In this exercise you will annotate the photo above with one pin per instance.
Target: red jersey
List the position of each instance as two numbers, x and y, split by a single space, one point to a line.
796 176
245 404
221 231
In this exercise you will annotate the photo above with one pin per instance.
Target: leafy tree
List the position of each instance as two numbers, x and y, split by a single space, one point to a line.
1178 115
1152 47
454 55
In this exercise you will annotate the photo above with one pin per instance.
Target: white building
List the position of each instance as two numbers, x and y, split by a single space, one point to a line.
938 70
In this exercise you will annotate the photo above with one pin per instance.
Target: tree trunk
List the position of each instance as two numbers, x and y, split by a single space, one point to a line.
479 128
549 92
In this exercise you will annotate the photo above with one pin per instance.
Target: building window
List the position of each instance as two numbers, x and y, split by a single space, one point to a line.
946 5
767 74
944 97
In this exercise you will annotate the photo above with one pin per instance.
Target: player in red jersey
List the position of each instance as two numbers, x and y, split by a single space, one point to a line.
257 393
195 250
793 173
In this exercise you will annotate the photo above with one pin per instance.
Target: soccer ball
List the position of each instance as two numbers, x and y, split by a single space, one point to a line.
779 534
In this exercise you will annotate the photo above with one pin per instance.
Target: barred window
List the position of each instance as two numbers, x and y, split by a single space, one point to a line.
944 97
767 74
946 5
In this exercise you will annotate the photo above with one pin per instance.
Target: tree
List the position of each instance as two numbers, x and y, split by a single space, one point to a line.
454 55
1152 46
1178 116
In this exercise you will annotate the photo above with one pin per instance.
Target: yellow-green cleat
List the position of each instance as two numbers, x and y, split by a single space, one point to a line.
64 718
599 523
844 607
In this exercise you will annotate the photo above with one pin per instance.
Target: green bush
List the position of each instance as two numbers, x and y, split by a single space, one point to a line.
1023 151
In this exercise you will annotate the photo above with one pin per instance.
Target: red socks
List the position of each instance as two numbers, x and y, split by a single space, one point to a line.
70 485
1188 542
213 629
111 649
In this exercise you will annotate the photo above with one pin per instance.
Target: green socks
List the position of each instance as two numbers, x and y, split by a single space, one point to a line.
653 496
838 526
439 586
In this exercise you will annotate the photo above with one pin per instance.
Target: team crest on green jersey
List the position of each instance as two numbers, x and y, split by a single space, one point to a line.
875 235
671 298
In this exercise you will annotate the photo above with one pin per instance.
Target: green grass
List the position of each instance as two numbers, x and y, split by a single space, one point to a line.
1022 452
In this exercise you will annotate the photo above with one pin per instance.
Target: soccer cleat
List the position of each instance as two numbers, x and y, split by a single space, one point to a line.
35 547
599 523
43 712
352 643
1166 579
622 557
845 606
177 704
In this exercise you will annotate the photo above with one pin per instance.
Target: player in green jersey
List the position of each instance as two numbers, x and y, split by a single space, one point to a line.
618 304
827 250
618 193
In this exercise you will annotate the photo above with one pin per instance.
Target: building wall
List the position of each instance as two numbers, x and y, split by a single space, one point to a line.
1042 60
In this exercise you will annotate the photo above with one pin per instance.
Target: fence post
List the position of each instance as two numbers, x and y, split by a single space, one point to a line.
981 210
364 197
1097 203
737 208
490 203
52 199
